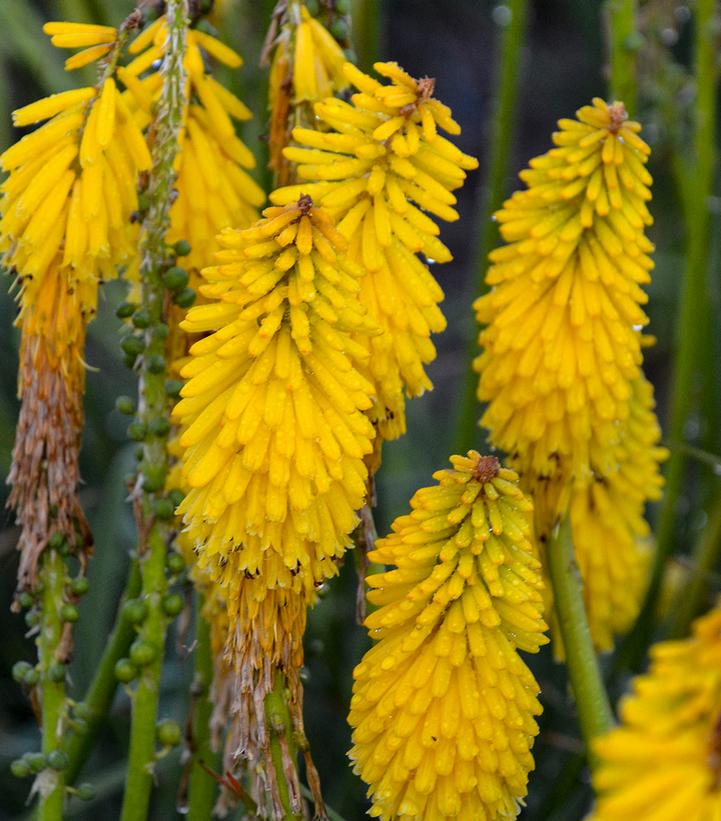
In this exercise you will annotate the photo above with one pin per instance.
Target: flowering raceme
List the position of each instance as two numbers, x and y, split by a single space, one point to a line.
443 705
662 762
384 172
214 189
272 413
66 223
563 342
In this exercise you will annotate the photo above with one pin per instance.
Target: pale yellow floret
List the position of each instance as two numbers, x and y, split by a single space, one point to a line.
443 706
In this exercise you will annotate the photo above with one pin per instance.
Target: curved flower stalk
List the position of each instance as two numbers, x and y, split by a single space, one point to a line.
443 706
66 225
214 189
274 432
563 342
384 172
306 66
674 709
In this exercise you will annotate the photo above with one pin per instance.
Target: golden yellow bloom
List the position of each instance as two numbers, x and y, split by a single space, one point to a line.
307 66
443 705
385 172
563 342
66 209
272 413
663 762
214 189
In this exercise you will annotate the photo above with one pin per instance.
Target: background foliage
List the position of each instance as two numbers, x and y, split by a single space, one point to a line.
456 42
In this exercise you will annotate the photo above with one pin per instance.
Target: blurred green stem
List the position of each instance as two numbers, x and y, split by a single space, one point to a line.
51 580
102 689
201 788
689 331
366 34
623 51
594 710
280 727
153 405
690 599
493 192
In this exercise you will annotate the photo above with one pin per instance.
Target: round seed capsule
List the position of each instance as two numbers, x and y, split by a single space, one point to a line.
143 652
125 670
168 733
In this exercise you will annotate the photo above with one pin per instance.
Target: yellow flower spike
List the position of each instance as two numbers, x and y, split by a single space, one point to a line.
443 706
675 710
384 172
272 413
214 189
563 343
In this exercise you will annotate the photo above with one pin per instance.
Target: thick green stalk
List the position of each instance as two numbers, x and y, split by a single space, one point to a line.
51 578
690 599
493 193
153 405
689 331
201 787
100 694
594 710
367 15
280 728
623 51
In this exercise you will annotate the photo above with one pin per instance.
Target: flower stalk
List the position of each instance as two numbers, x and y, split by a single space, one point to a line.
623 48
153 405
501 134
594 711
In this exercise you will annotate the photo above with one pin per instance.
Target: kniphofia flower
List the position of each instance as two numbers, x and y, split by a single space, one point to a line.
383 170
562 345
274 430
66 224
662 762
443 706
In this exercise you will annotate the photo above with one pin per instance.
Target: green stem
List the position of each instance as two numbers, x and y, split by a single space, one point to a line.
623 51
153 405
51 578
367 17
594 710
201 788
100 694
493 193
689 331
280 728
690 599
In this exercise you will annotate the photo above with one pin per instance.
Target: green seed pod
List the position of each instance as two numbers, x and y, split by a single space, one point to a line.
20 768
173 387
79 585
142 318
175 563
176 496
159 426
132 345
58 760
164 509
135 611
32 677
36 761
129 361
153 478
125 671
175 278
20 670
168 733
57 672
184 298
86 792
82 711
173 604
182 248
143 652
70 613
125 309
156 363
25 600
161 331
136 431
125 404
78 725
